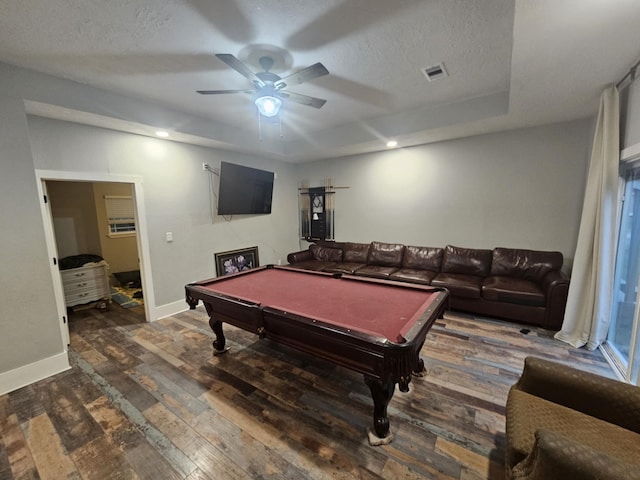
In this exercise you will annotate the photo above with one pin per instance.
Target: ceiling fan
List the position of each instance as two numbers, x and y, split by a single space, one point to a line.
269 88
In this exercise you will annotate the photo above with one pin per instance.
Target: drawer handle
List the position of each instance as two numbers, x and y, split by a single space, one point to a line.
81 284
80 274
83 294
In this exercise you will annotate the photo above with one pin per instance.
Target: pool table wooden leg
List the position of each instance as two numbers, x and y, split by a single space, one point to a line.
192 302
220 342
420 370
381 392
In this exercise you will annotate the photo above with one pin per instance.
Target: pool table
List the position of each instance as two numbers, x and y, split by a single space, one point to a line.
374 327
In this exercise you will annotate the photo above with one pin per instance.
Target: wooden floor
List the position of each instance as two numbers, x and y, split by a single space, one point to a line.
150 401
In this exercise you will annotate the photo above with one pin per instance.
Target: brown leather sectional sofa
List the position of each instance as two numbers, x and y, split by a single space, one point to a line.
525 286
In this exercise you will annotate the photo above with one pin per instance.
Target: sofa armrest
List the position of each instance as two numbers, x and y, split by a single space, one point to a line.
604 398
555 285
556 457
554 279
301 256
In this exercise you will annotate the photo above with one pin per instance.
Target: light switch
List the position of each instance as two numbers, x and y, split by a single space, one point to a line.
168 236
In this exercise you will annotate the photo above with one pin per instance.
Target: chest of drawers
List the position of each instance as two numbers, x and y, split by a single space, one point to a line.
85 284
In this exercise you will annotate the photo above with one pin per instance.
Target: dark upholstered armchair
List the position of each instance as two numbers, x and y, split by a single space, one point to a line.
564 423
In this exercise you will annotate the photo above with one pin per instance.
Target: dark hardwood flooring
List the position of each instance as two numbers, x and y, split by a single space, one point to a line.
150 401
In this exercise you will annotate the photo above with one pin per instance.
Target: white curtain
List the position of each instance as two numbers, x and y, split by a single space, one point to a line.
588 309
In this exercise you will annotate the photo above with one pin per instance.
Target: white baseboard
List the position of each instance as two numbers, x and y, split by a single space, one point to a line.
170 309
28 374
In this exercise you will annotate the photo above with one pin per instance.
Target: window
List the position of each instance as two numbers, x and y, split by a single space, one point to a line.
120 215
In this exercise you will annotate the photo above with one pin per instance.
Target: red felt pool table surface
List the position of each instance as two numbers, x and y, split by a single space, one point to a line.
383 309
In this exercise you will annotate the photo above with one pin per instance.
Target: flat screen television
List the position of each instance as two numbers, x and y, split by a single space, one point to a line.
244 190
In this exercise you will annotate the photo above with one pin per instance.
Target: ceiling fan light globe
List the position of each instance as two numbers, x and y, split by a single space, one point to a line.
268 106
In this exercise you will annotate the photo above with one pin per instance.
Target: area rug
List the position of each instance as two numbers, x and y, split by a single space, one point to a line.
127 297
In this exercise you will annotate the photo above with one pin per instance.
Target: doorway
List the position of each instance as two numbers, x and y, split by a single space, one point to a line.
94 223
623 339
88 239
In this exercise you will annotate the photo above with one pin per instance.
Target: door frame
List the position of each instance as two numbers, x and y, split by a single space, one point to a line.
629 372
142 236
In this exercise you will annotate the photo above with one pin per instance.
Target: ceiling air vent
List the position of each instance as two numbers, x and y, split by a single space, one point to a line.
435 72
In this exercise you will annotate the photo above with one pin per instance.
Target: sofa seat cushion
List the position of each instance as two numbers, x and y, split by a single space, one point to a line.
376 271
315 265
459 285
513 290
555 457
527 413
347 268
413 275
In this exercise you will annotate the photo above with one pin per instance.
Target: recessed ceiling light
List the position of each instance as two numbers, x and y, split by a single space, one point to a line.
162 133
392 143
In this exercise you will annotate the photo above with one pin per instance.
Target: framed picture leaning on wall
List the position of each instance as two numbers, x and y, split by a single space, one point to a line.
235 261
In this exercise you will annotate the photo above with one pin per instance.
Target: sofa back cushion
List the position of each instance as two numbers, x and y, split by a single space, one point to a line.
385 254
466 261
423 258
326 254
527 264
355 252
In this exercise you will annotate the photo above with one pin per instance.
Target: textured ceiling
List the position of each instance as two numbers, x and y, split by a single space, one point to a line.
510 64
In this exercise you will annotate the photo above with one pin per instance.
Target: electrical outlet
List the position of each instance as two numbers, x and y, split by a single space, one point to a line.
205 166
168 236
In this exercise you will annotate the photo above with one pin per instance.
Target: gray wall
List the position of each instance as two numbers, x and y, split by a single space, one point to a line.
29 325
177 195
521 188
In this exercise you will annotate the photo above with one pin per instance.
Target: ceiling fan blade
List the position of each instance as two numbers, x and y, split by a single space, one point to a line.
226 18
314 71
303 99
240 67
341 21
219 92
